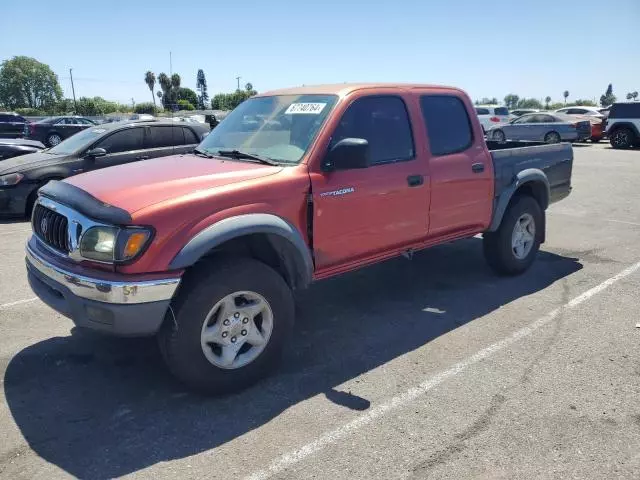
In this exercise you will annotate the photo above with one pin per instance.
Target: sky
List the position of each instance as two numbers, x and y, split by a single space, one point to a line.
489 48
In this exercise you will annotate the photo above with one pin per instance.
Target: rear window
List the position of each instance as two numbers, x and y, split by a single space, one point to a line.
483 111
448 125
165 137
501 111
11 118
625 110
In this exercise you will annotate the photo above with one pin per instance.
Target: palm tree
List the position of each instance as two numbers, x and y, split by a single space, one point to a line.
565 94
547 101
634 95
165 85
175 81
150 80
629 96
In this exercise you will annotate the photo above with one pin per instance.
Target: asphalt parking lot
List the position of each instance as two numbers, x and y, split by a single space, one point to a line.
430 368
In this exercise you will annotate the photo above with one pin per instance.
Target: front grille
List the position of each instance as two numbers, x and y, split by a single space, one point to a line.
51 228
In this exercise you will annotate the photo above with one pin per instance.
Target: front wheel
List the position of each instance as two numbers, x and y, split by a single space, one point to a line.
231 321
498 136
621 138
513 247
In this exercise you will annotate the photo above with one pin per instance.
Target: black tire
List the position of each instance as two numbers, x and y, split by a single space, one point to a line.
53 139
498 136
202 288
622 138
497 245
552 137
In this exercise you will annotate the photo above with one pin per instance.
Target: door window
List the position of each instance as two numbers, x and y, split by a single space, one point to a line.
382 121
122 141
524 119
165 136
448 124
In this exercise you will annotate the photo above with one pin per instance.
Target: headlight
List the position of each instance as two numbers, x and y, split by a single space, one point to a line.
11 179
111 244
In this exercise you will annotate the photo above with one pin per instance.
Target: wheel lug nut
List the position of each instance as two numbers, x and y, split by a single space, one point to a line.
226 322
236 315
224 334
244 332
245 320
233 339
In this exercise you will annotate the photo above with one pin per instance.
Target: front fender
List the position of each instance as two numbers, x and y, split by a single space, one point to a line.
242 225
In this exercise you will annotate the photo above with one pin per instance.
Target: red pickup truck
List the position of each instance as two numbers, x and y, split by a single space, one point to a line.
205 249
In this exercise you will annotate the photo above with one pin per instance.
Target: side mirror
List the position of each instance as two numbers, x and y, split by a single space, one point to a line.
95 153
347 154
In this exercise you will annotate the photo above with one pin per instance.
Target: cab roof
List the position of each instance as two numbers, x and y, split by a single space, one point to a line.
344 89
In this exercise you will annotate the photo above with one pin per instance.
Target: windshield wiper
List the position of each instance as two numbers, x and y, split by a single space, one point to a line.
238 155
202 153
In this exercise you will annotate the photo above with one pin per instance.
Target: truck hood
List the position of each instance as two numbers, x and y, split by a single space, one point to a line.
27 162
137 185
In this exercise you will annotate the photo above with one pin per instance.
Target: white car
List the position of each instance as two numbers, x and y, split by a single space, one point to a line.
578 110
491 115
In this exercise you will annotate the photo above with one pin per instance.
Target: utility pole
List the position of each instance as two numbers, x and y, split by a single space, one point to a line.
238 79
75 105
170 65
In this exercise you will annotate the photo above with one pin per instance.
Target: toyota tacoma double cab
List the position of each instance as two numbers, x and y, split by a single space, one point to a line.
205 249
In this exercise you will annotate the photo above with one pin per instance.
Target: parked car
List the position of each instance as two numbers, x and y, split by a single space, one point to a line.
205 249
14 147
597 128
523 111
12 125
53 130
623 125
490 115
582 111
92 149
542 127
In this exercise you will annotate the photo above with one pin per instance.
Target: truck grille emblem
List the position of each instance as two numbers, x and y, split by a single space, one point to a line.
44 225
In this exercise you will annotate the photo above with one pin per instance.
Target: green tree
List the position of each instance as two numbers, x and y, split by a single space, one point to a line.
229 101
201 87
629 96
608 98
511 101
529 103
565 94
27 83
248 87
165 85
547 101
150 80
584 103
188 95
146 107
184 105
634 95
175 81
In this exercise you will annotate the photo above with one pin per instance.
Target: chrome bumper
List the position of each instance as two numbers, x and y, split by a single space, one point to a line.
102 290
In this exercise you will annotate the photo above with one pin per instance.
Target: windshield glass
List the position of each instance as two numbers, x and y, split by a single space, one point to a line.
279 127
78 142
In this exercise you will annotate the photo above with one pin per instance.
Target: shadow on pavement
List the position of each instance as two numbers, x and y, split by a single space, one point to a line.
101 407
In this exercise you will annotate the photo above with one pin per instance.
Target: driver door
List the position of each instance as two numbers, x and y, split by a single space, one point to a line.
123 146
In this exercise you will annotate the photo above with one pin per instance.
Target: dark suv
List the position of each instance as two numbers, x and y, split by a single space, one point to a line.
12 125
623 125
92 149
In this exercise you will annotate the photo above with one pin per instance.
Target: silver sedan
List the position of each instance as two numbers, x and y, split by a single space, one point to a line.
542 127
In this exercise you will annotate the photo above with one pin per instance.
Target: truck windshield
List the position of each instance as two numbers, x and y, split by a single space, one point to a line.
279 127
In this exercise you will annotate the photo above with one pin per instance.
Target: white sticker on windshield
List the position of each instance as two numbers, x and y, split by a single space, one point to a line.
312 108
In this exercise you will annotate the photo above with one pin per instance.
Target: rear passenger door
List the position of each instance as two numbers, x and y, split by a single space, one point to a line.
123 146
162 140
543 125
461 181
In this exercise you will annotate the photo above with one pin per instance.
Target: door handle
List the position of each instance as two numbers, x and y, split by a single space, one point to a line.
415 180
477 167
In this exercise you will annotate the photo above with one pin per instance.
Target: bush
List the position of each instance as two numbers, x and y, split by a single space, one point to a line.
146 107
185 105
30 112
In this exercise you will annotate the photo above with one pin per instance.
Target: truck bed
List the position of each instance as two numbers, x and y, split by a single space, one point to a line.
556 161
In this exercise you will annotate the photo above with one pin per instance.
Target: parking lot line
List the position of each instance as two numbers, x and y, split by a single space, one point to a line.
291 458
18 302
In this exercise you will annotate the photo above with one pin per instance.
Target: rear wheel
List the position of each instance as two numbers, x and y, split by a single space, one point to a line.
53 139
621 138
498 136
552 137
513 247
231 321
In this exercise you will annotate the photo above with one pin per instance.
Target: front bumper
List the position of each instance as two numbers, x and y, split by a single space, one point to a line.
111 303
13 200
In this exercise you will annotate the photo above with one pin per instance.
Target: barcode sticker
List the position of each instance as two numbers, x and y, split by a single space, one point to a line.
309 108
